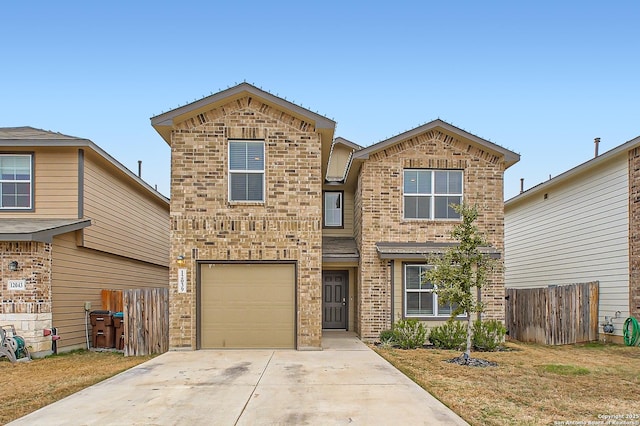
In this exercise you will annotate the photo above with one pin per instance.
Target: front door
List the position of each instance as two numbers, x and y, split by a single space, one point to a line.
334 299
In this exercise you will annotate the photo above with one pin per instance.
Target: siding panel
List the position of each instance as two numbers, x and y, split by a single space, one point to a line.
348 206
55 183
79 275
578 234
124 221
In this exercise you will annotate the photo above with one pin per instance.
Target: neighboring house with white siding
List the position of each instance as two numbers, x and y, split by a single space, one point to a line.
582 226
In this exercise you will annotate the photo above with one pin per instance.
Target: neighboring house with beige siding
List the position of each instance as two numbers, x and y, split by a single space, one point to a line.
279 230
582 226
73 221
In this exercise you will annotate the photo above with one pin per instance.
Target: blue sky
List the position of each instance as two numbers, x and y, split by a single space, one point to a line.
540 78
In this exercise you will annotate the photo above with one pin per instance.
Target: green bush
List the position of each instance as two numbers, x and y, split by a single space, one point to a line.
409 334
450 335
387 337
488 335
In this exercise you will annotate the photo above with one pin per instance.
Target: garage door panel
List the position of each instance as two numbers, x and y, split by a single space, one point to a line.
247 305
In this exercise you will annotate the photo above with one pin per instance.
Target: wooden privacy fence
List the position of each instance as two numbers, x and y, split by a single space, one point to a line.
554 315
146 321
112 300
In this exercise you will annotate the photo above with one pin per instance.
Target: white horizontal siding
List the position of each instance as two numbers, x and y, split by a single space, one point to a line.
580 233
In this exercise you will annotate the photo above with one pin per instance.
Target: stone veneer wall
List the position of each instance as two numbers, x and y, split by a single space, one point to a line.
379 216
634 232
28 310
205 226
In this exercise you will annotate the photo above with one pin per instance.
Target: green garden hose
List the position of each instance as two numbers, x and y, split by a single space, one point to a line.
631 337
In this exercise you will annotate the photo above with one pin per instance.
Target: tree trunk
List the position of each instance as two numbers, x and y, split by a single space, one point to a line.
467 352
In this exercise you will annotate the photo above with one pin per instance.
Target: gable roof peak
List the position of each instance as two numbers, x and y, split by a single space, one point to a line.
163 123
510 157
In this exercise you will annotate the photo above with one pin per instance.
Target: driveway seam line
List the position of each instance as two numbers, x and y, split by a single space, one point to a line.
244 407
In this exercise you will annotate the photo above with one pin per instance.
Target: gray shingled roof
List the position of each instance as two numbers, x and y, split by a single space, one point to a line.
42 230
420 251
26 133
339 249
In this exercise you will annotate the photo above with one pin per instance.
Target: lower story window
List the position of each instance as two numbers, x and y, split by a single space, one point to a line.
419 296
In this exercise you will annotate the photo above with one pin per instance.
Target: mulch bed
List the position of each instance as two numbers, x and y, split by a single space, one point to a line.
472 362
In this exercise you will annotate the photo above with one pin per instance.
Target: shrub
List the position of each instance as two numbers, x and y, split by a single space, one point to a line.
450 335
387 338
488 335
409 334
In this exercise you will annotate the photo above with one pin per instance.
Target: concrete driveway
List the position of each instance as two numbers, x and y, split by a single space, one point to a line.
345 383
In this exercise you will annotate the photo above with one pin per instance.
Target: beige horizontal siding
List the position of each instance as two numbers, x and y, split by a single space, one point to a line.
340 156
578 234
348 206
55 183
125 220
79 274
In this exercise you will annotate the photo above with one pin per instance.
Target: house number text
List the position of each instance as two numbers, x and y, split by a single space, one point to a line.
182 280
16 284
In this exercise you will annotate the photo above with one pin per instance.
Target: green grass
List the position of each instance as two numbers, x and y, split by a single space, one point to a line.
565 370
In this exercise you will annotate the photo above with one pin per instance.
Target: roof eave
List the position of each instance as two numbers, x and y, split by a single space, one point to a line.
83 143
164 122
45 235
510 157
580 168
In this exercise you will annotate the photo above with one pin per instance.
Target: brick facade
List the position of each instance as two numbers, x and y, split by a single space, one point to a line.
379 216
28 310
634 232
206 226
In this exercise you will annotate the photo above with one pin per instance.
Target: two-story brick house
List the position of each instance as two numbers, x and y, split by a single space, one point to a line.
73 221
279 230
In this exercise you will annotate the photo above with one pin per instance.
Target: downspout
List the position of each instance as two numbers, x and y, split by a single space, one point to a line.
392 272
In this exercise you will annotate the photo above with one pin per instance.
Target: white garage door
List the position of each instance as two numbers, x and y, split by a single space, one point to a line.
247 306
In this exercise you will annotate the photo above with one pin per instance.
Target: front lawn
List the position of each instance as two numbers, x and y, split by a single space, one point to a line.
28 386
532 384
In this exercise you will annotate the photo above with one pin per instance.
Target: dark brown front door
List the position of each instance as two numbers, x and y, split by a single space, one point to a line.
334 299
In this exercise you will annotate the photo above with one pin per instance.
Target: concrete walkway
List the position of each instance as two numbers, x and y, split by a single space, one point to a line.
345 383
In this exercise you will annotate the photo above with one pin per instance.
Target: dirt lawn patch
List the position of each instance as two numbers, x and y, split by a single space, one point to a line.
532 384
29 386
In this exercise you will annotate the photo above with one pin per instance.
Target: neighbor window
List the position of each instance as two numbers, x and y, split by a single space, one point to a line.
333 212
428 194
16 181
246 171
420 299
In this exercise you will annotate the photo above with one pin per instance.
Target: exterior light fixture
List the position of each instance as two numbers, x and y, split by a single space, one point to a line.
180 261
13 265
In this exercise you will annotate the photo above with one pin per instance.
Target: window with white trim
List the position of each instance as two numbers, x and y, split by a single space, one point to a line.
428 194
333 212
420 299
16 181
246 171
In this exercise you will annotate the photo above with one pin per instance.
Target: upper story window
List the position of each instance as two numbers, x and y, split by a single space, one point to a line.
16 181
420 299
428 194
246 171
333 209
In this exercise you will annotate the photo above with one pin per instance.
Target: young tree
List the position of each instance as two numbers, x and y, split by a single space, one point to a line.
462 269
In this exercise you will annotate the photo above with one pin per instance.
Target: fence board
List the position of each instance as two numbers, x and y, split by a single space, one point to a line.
146 321
554 315
112 300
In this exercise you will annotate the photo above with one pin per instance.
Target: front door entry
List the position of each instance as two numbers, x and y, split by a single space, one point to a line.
334 299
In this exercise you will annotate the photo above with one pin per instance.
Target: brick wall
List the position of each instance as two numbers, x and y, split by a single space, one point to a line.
204 225
634 232
379 216
28 310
